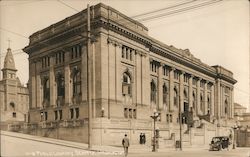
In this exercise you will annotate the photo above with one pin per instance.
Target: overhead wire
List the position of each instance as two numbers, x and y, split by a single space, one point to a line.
68 5
181 10
162 9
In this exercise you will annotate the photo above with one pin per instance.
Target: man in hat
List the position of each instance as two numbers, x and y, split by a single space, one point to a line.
125 143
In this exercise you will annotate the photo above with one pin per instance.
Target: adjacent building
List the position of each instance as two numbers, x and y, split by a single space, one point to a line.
130 76
242 119
14 97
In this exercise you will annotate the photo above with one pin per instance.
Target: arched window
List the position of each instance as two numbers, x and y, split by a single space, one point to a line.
76 81
202 104
153 91
165 94
60 85
208 105
226 107
175 97
126 84
194 101
46 89
185 94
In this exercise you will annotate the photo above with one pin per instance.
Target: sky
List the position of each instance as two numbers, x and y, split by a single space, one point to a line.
217 34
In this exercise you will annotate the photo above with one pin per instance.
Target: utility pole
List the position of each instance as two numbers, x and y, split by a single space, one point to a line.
89 100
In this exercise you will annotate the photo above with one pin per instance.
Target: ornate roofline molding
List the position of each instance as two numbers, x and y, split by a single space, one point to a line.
111 19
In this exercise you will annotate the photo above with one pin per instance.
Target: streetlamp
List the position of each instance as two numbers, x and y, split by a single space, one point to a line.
154 117
235 127
102 112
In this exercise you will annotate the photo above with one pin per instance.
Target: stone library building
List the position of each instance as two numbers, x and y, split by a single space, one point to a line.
128 76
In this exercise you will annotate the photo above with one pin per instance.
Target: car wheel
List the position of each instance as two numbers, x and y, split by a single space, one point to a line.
220 148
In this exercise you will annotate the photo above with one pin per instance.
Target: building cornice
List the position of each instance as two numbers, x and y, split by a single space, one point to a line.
76 26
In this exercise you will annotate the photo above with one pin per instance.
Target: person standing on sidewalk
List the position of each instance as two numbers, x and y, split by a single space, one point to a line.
125 143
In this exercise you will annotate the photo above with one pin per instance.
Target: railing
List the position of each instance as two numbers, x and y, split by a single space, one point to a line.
72 123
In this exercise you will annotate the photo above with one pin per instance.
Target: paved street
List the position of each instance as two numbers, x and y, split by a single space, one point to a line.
20 145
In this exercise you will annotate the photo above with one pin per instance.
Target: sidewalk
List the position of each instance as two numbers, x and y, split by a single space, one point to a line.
96 148
76 145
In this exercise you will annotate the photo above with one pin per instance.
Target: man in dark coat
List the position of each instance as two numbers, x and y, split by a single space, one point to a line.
125 143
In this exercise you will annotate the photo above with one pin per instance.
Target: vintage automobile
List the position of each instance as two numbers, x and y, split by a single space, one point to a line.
220 142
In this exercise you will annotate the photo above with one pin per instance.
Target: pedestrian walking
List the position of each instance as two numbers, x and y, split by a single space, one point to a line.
141 138
144 138
125 143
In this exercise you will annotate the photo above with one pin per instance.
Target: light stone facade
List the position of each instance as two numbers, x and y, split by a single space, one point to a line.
130 75
14 97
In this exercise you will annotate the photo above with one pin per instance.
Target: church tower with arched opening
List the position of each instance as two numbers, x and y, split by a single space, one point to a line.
14 98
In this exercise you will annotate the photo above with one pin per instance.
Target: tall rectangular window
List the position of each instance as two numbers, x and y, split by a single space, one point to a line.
77 112
71 113
76 51
45 116
56 116
60 114
176 75
76 81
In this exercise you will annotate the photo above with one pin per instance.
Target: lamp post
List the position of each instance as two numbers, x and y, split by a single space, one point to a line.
154 117
235 127
102 112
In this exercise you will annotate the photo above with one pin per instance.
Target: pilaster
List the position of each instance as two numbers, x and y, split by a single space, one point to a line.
68 86
222 113
145 80
190 92
198 106
217 98
205 98
138 72
33 85
38 85
171 89
84 74
212 107
232 102
181 91
52 82
160 84
118 52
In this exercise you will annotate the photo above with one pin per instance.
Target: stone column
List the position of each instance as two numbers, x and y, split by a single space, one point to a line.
84 74
33 85
171 89
118 52
190 91
160 92
52 82
138 76
222 113
232 102
68 82
212 108
38 85
205 98
217 98
198 102
146 79
181 91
